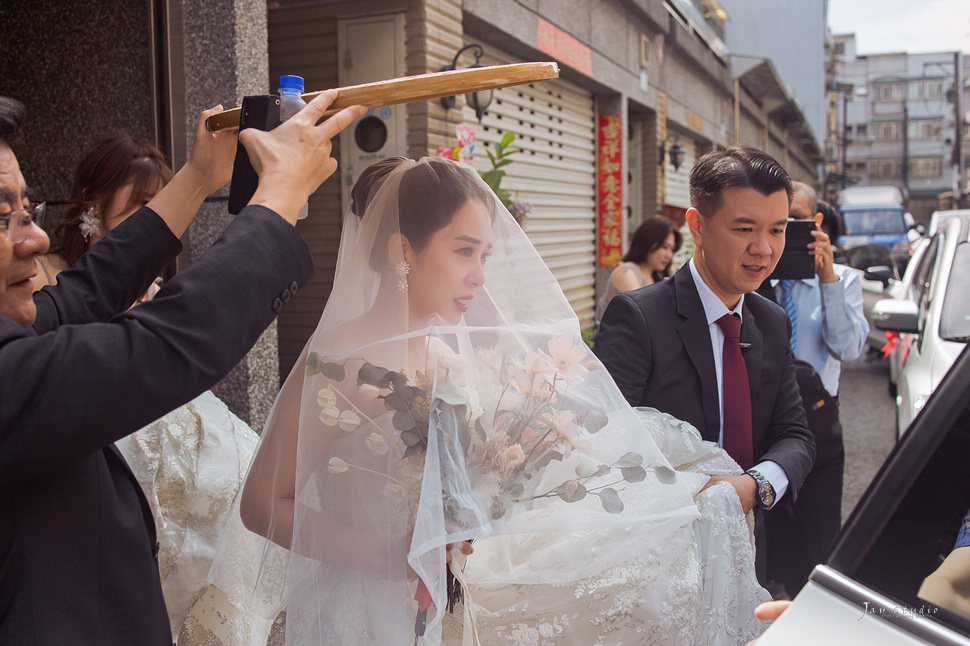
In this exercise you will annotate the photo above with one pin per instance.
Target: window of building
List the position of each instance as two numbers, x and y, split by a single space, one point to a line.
926 89
840 49
887 130
889 91
862 129
926 167
884 167
926 129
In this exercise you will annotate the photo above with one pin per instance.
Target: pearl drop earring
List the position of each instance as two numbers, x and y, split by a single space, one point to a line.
402 270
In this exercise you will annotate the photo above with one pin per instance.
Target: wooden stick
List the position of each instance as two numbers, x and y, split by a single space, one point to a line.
417 88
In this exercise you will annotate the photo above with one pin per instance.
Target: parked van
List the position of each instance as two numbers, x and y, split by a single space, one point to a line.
875 215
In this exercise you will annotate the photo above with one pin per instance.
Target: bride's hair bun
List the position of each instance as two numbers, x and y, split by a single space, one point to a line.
369 181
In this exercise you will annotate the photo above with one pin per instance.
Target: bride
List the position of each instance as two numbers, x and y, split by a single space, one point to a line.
447 440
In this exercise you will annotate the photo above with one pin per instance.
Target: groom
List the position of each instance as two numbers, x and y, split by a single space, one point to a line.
702 348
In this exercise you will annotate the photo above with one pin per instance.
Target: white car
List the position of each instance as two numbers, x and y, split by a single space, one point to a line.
900 289
880 280
938 217
932 317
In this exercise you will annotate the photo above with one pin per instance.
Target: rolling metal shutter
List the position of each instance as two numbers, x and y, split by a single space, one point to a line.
554 122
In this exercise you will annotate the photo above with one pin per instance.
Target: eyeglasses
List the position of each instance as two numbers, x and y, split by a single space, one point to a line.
19 222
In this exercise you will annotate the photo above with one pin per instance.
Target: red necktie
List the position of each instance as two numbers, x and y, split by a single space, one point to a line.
737 395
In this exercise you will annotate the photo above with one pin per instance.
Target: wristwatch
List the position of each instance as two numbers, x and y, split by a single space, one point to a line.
766 493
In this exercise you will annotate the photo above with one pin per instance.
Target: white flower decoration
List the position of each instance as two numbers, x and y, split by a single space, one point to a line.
376 443
327 398
90 224
369 393
330 415
348 420
412 469
336 465
395 493
564 421
565 358
448 360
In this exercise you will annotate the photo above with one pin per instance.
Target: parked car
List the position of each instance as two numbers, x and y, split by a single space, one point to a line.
880 279
932 317
937 217
870 588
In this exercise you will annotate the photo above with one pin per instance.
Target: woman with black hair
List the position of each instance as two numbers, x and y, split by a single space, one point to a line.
653 246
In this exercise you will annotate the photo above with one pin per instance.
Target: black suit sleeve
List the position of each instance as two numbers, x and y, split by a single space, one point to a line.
111 275
77 388
623 345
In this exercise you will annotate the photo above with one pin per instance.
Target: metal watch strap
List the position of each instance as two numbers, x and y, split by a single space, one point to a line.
763 484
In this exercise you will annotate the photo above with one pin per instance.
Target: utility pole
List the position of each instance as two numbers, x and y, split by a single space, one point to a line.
958 134
906 143
845 136
845 90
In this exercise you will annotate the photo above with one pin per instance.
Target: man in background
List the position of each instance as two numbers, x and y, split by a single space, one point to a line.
828 327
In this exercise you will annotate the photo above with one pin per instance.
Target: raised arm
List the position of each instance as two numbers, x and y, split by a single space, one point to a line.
209 168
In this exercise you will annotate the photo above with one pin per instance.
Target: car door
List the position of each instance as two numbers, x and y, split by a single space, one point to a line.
914 372
904 289
874 587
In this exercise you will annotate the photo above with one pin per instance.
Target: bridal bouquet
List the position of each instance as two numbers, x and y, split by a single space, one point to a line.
527 425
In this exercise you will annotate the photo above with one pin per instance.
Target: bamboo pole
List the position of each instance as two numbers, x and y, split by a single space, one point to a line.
422 87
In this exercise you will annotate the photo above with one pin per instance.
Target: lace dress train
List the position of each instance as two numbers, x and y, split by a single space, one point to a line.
702 577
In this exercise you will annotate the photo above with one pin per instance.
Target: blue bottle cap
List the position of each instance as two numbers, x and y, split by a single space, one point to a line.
291 82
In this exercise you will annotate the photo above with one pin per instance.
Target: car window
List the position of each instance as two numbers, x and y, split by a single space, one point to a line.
955 319
924 278
874 221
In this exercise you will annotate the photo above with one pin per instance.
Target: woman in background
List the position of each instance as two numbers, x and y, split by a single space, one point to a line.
654 244
116 177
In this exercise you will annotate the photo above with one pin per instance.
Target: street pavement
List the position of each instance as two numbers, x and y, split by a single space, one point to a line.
868 417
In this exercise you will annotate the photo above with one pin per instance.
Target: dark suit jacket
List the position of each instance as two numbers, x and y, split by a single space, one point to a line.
77 539
656 344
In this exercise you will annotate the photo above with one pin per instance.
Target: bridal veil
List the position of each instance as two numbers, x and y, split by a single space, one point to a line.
432 407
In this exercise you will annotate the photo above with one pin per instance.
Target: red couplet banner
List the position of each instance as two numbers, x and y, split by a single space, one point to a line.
610 190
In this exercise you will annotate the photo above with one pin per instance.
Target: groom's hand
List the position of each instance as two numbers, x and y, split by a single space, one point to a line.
744 485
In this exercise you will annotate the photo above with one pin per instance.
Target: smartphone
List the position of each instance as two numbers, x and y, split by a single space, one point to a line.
263 113
797 261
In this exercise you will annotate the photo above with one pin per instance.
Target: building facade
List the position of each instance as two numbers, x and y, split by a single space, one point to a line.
645 88
899 120
792 36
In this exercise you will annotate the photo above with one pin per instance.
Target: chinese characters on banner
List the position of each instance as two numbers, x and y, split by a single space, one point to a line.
557 43
610 190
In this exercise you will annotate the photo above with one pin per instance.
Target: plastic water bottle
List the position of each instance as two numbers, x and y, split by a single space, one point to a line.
291 102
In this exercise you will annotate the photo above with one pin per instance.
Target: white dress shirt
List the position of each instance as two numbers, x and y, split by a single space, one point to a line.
714 309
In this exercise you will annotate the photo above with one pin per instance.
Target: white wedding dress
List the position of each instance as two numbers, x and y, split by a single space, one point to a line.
490 422
191 463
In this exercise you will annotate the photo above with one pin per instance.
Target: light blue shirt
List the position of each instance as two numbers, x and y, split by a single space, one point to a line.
831 325
714 309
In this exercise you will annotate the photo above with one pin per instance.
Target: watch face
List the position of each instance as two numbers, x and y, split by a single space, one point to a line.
767 494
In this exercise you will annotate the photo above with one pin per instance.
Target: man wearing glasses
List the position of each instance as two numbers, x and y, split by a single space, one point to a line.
24 241
79 370
828 327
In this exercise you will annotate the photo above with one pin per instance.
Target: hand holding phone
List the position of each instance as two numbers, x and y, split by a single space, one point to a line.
797 261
